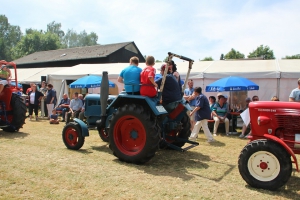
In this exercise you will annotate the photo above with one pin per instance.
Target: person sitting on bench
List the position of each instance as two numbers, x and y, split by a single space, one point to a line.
220 112
75 108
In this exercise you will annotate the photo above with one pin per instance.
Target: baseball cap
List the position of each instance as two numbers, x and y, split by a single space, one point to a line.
220 94
248 99
225 96
298 79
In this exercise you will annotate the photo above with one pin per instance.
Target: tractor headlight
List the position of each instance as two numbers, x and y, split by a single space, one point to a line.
262 120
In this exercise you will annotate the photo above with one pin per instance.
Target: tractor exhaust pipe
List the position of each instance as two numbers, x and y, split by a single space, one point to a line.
103 100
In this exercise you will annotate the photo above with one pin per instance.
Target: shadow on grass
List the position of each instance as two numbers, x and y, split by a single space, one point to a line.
103 148
13 135
289 191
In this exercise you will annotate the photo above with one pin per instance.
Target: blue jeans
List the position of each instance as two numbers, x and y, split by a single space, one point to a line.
63 111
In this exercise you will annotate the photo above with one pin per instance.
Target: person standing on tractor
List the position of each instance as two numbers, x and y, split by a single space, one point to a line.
171 91
5 76
148 85
295 94
130 76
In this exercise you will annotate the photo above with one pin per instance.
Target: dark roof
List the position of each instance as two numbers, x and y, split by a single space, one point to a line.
76 53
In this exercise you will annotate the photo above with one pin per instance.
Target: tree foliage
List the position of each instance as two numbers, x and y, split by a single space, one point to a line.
233 54
297 56
207 59
262 51
73 39
9 37
34 41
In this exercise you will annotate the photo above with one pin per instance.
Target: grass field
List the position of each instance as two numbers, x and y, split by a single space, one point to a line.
35 164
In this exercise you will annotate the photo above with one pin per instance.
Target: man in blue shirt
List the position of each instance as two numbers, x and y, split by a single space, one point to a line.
75 108
203 113
295 94
130 76
63 106
188 95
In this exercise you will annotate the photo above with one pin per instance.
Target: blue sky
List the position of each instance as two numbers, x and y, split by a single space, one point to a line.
195 29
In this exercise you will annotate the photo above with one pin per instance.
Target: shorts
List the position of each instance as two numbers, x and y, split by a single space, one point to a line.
3 81
192 118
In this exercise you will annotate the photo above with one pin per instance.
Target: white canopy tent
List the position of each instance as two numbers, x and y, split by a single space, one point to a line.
274 77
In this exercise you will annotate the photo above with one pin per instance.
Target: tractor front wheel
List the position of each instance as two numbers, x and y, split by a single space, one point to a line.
133 136
72 136
265 164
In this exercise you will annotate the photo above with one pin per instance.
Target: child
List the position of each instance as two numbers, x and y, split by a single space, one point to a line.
147 79
54 118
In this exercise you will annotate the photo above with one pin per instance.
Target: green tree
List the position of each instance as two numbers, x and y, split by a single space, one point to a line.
262 51
207 59
297 56
72 39
34 41
222 57
9 37
56 29
233 54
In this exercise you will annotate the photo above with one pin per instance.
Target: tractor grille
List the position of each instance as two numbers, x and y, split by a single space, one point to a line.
288 127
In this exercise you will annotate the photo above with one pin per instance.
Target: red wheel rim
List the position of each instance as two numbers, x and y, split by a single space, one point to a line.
103 133
130 135
71 136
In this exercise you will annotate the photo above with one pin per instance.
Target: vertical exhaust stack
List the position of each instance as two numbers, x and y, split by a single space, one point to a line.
104 93
103 100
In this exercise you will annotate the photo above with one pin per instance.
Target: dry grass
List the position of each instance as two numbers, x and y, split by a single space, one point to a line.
35 164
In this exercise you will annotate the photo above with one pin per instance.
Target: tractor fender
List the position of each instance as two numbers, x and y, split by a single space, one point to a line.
287 148
83 126
123 99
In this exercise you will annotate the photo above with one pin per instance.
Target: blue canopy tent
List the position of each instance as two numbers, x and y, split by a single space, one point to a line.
90 81
231 83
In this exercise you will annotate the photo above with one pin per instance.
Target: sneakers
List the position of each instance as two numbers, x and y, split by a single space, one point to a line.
242 135
227 134
215 134
192 139
211 140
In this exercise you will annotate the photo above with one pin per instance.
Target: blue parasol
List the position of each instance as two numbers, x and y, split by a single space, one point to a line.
231 84
91 81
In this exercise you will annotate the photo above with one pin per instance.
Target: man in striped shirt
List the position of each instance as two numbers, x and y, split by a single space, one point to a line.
220 112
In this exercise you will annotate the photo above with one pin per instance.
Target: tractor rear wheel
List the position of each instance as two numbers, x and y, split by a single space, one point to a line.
18 115
265 164
184 133
133 136
72 136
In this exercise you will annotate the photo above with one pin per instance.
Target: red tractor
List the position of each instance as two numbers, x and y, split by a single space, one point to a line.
266 161
12 107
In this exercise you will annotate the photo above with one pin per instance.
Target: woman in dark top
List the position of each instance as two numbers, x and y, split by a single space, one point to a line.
34 100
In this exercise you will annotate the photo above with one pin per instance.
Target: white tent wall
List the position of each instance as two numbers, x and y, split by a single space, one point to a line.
274 77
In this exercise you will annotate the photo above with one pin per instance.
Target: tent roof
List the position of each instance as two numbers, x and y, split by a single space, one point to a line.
247 69
289 68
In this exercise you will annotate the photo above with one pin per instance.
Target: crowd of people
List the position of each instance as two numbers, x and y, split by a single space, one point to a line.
139 81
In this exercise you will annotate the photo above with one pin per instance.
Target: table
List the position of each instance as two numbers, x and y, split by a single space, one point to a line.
234 115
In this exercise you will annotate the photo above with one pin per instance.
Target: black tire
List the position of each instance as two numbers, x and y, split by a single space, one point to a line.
72 136
133 135
183 134
265 164
18 113
103 133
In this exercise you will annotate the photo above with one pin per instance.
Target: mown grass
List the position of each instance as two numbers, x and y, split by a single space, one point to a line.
35 164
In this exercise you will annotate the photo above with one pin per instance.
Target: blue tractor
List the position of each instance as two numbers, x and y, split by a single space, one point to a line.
136 126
